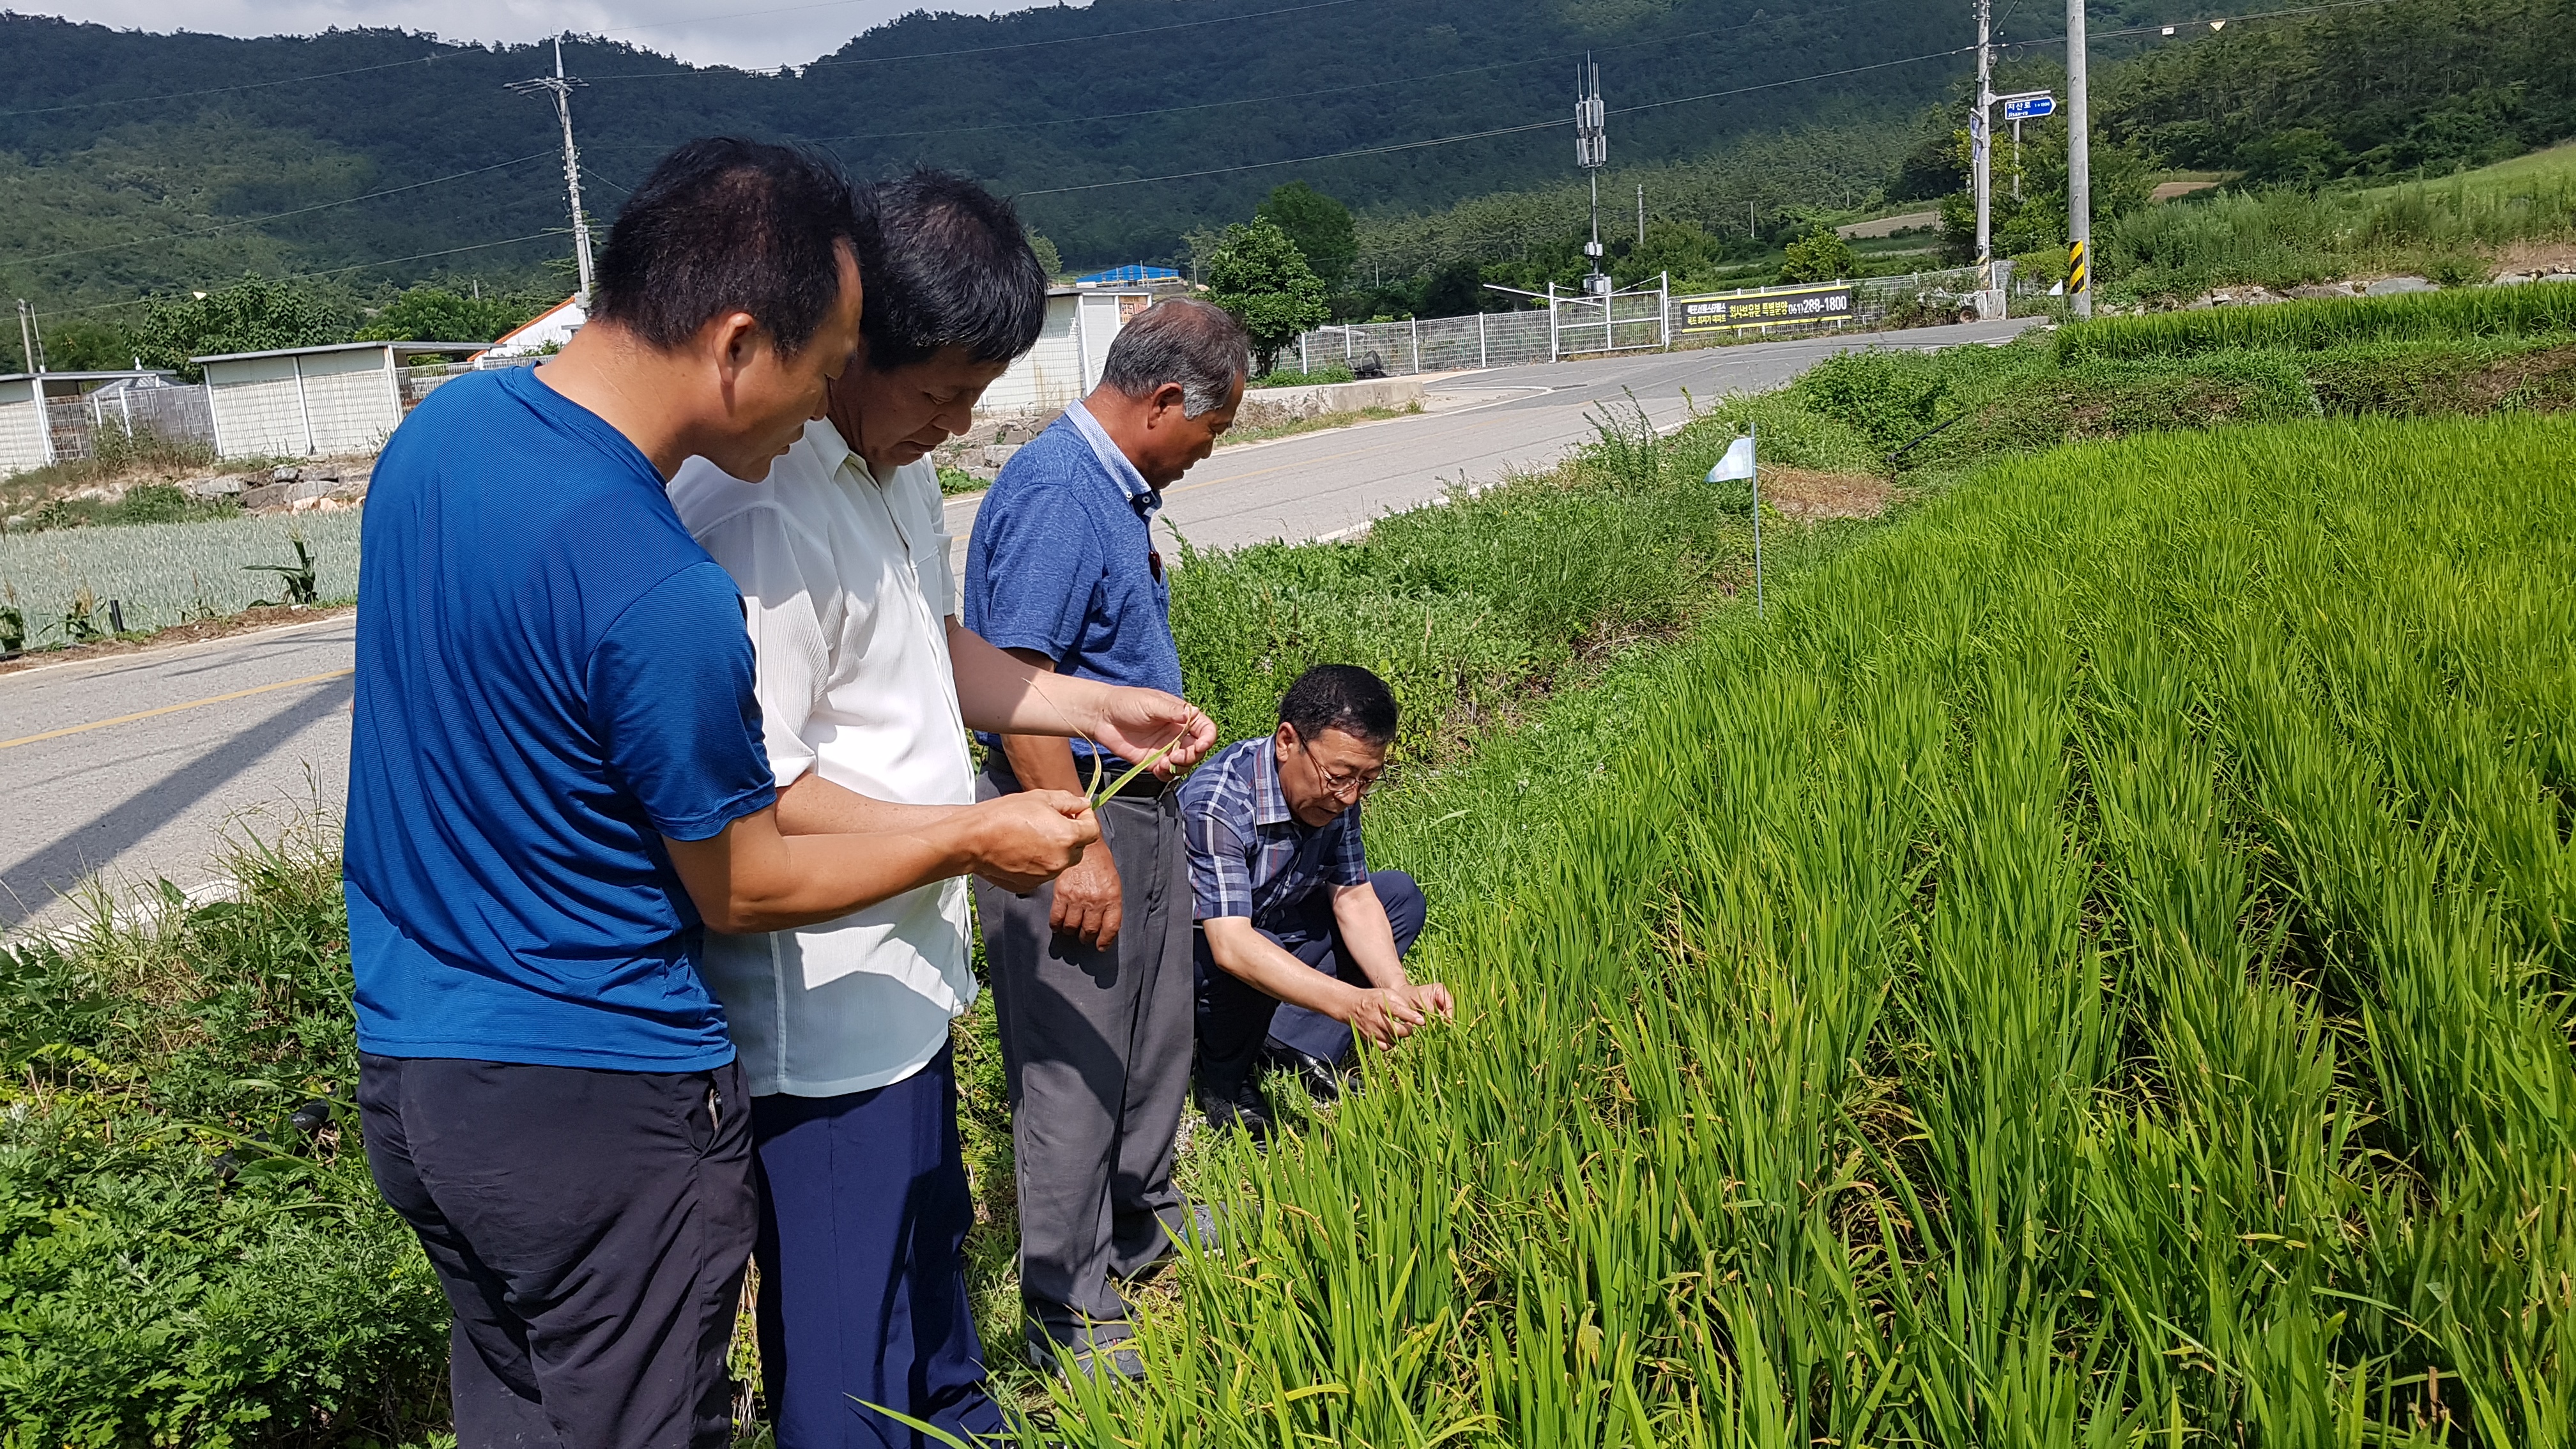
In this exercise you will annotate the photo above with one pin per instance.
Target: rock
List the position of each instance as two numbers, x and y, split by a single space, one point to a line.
281 495
98 493
2395 286
996 456
212 487
324 475
285 475
2325 290
14 522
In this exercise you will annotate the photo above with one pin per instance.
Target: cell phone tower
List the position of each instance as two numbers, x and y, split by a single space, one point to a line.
560 86
1591 152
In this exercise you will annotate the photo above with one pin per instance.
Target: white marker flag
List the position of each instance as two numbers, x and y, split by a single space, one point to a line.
1738 462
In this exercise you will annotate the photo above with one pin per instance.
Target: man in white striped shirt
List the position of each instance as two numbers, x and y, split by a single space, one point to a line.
867 685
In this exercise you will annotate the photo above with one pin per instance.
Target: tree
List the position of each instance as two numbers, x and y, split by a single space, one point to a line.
1050 260
1320 226
85 347
1820 256
1259 275
252 315
1683 248
434 314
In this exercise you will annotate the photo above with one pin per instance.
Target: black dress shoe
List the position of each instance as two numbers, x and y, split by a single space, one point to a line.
1322 1080
1243 1110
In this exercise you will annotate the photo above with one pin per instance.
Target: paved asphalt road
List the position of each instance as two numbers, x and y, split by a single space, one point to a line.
166 750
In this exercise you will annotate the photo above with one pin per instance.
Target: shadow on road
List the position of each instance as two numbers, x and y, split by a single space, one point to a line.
59 864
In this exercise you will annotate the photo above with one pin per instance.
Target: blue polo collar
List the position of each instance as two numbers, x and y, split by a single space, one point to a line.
1144 497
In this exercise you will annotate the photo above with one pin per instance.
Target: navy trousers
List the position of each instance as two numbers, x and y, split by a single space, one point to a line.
864 1208
1236 1020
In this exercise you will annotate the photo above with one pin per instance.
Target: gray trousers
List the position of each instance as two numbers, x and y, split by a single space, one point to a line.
1096 1045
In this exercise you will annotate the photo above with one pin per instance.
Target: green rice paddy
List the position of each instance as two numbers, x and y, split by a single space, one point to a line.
2092 970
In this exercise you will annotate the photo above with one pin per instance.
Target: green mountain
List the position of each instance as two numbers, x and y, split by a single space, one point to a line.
359 160
132 160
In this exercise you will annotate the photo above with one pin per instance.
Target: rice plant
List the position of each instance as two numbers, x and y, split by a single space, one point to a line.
2091 969
2481 312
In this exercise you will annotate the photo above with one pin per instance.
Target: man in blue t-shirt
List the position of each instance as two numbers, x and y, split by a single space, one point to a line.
1091 975
557 784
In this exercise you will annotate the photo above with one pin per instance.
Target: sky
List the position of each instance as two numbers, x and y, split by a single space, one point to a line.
758 34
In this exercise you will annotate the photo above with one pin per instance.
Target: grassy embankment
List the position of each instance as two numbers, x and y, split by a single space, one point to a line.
2461 229
143 1293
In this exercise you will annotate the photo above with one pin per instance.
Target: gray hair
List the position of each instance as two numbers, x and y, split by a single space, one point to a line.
1199 346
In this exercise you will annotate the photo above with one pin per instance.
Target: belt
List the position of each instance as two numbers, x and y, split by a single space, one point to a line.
1146 786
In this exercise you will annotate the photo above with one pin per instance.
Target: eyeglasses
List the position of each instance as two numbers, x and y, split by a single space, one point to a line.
1344 784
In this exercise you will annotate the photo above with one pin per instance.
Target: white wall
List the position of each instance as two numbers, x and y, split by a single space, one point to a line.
1069 354
352 398
346 403
22 423
257 410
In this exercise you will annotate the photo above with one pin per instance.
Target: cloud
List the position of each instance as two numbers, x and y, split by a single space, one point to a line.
756 34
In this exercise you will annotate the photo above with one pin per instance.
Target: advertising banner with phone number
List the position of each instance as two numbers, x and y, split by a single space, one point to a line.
1770 307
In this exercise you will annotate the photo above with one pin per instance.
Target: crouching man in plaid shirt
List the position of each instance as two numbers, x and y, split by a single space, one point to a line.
1300 947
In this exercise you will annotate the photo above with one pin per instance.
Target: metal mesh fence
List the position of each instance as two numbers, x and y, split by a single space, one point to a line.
419 382
1580 325
1433 344
82 426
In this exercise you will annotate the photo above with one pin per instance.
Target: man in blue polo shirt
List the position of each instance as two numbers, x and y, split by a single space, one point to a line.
557 783
1300 945
1091 976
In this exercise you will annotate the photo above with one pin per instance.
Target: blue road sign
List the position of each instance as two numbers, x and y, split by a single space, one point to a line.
2029 108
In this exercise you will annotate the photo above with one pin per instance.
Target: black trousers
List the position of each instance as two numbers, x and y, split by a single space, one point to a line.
1236 1020
591 1229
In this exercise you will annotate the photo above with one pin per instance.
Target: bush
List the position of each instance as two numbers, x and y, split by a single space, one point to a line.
1820 256
181 1261
1330 372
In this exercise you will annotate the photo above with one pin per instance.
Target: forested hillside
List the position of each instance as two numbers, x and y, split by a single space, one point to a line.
360 160
116 146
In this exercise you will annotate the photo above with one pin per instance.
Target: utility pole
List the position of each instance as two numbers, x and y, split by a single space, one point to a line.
2079 167
1641 213
560 86
1591 152
27 336
1981 143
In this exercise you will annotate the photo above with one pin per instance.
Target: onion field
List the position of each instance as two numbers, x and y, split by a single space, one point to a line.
170 573
2092 969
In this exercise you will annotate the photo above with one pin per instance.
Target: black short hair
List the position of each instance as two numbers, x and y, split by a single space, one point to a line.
727 225
1341 697
947 265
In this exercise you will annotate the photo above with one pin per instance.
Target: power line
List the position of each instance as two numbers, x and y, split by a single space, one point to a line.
332 271
219 90
1483 135
1661 40
1303 160
278 215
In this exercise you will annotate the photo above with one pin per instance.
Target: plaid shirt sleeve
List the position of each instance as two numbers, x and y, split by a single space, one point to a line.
1213 827
1350 856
